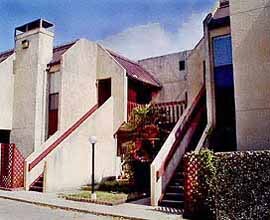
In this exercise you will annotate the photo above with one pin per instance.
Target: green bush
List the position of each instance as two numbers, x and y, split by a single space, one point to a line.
116 186
231 186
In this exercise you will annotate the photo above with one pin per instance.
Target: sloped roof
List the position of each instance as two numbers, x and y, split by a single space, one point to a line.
58 51
136 71
4 55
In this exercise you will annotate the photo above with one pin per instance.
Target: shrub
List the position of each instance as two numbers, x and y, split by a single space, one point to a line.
231 186
116 186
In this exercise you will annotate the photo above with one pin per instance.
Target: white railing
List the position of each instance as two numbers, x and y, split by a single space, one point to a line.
172 151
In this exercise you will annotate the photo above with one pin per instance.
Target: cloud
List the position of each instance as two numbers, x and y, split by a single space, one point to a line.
153 39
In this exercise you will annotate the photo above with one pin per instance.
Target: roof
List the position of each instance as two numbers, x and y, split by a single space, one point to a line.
58 51
5 55
135 71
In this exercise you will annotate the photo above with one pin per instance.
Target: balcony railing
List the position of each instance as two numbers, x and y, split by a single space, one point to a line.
171 111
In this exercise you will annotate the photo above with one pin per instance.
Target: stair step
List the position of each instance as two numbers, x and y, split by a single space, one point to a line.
178 183
36 188
174 196
39 183
172 203
174 187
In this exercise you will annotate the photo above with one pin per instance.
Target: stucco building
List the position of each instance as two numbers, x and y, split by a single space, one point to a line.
55 98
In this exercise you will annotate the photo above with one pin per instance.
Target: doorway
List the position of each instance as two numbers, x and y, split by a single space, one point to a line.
5 136
104 90
225 134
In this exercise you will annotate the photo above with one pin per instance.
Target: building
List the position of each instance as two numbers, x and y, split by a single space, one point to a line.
55 98
228 94
171 70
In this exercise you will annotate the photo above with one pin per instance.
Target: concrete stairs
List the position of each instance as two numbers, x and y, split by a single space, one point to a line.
37 185
174 195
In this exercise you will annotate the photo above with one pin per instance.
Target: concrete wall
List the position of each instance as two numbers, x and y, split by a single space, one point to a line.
251 59
107 67
195 68
69 166
6 93
29 111
166 70
78 92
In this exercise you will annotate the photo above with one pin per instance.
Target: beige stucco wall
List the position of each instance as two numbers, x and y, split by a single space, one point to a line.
166 70
107 67
195 68
251 59
29 110
69 166
78 92
6 93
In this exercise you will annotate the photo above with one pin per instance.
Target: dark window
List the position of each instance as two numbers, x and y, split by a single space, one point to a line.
182 65
53 113
53 102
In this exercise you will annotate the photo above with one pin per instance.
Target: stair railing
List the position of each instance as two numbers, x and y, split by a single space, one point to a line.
36 159
172 151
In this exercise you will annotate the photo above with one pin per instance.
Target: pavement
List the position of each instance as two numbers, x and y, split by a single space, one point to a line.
13 210
126 210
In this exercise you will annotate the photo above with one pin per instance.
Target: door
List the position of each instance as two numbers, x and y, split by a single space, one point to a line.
104 90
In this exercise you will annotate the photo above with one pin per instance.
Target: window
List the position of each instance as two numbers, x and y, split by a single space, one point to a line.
53 101
182 65
222 51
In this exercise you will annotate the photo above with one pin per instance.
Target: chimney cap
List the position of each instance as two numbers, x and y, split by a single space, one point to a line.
39 23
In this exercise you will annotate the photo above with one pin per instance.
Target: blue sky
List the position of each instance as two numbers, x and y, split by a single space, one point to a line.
135 28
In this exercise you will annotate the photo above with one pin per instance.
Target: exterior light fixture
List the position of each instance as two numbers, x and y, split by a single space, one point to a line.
93 141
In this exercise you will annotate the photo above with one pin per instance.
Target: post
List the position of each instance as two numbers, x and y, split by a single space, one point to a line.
93 168
93 141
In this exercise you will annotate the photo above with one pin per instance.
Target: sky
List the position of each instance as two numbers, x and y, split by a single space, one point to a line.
134 28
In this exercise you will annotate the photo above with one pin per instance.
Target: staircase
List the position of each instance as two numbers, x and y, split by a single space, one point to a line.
37 185
167 178
174 195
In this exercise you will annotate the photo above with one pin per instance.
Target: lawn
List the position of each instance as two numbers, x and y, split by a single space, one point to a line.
107 198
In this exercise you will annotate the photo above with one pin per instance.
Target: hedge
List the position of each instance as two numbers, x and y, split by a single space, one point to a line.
228 186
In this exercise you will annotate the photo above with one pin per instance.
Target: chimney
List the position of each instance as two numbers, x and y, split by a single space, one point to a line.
224 3
34 50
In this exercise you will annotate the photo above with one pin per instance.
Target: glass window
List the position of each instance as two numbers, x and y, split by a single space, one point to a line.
222 50
53 101
182 65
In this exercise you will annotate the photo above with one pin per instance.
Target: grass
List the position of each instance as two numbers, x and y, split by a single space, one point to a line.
107 198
